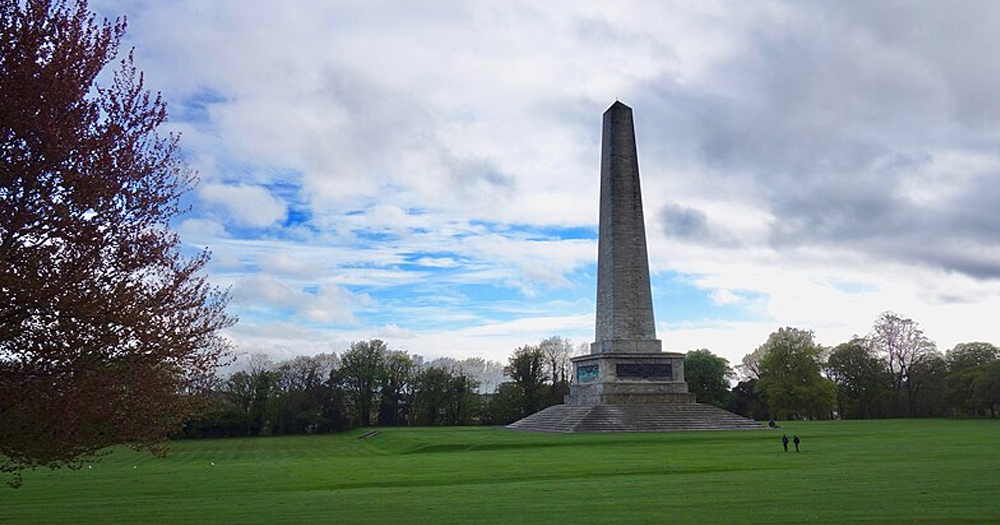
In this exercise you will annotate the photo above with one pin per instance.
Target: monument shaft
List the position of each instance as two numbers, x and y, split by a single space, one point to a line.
624 301
626 365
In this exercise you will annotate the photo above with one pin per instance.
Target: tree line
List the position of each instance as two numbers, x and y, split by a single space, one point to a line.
372 384
893 371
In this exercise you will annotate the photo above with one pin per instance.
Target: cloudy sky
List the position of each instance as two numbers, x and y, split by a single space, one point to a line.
427 172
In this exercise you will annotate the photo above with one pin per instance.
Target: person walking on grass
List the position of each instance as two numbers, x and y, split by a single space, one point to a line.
784 441
795 440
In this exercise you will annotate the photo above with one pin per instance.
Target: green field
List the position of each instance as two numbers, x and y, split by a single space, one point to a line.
892 471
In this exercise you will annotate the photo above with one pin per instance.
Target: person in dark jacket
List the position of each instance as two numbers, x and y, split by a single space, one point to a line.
796 440
784 441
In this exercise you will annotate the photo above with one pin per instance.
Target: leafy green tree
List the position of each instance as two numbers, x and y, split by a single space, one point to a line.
305 394
863 382
708 376
526 367
360 374
927 382
987 387
395 381
790 378
254 391
503 407
444 397
104 325
335 406
960 391
464 401
966 362
970 355
432 395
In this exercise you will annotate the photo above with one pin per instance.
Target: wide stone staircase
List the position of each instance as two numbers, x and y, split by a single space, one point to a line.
634 418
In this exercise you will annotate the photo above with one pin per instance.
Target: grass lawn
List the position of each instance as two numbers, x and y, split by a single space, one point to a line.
890 471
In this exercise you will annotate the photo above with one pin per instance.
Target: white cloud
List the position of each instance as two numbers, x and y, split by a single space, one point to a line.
273 296
246 205
725 297
437 262
282 263
198 231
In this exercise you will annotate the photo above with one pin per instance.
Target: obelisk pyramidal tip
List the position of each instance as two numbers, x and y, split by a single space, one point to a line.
624 300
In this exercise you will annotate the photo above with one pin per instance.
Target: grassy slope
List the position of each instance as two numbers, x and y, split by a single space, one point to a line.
897 471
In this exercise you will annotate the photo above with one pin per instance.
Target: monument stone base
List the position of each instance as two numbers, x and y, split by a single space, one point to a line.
631 392
627 378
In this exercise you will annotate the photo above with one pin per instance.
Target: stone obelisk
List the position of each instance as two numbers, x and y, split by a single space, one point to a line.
626 383
624 300
626 364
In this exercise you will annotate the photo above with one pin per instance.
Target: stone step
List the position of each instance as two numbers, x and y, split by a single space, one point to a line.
634 418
